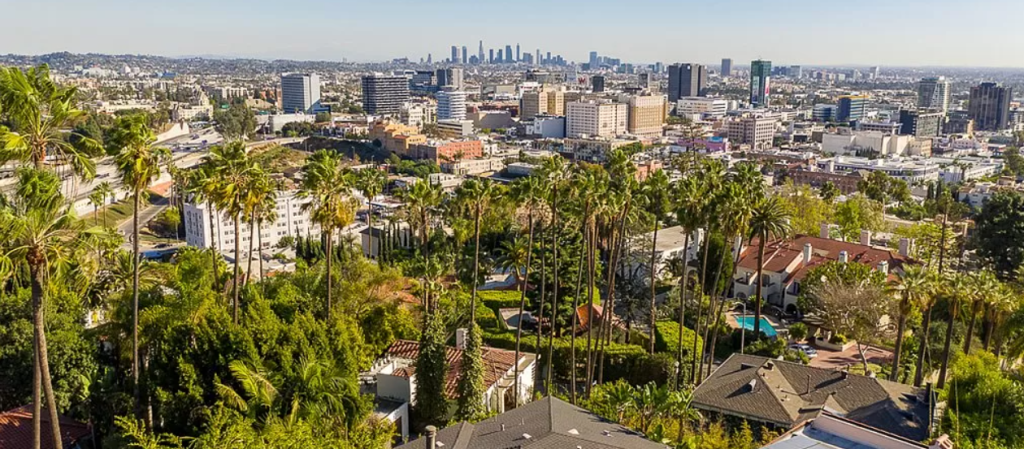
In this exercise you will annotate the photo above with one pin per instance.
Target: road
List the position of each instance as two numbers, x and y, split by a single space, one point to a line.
146 215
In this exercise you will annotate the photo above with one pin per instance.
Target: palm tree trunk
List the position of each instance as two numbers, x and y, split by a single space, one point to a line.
945 347
330 273
975 308
554 300
522 305
41 380
537 381
575 305
682 309
757 295
714 312
919 369
654 250
260 237
476 265
37 388
901 328
238 263
991 316
252 239
591 272
214 253
605 336
700 306
96 214
135 304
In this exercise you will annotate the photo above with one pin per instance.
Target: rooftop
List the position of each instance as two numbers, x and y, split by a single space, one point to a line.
497 362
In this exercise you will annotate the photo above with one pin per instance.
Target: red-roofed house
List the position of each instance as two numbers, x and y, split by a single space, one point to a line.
16 430
787 262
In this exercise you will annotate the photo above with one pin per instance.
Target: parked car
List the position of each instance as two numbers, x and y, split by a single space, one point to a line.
806 349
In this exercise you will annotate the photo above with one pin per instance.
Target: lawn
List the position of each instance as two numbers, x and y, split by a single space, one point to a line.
116 213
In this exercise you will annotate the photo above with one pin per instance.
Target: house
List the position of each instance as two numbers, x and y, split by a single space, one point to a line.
785 394
392 378
787 263
370 239
16 430
829 431
670 246
549 423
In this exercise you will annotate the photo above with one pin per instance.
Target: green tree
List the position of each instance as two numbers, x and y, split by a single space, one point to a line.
912 286
829 192
432 371
769 220
858 213
999 238
230 171
657 204
237 122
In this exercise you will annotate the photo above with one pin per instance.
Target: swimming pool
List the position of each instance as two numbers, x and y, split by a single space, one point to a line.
747 322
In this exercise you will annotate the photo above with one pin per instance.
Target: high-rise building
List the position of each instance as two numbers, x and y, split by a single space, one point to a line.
518 55
501 57
756 131
430 58
597 83
465 55
876 72
686 80
455 55
539 61
760 83
491 58
989 106
596 119
852 107
647 114
921 124
480 54
508 54
384 94
643 80
796 71
549 102
726 67
300 92
450 77
594 63
451 104
933 93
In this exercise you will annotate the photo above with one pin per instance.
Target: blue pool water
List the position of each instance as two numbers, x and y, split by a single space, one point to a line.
748 323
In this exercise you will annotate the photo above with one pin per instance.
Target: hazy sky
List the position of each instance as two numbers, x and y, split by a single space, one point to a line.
869 32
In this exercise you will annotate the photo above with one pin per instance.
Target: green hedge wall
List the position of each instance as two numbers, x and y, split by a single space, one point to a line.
666 339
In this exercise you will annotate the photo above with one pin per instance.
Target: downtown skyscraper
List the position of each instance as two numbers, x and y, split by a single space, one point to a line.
989 106
686 80
760 83
726 67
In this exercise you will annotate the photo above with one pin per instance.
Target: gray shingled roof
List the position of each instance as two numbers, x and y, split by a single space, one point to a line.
786 394
551 424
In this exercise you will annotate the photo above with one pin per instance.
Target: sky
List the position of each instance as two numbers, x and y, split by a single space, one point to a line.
968 33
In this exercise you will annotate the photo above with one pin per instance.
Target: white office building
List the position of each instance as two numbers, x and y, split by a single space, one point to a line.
596 119
300 92
702 106
451 105
291 221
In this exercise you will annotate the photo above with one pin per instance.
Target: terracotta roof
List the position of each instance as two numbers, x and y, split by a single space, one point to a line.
497 362
786 394
781 254
16 429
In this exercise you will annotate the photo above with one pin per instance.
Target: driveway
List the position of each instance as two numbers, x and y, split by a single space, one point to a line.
836 359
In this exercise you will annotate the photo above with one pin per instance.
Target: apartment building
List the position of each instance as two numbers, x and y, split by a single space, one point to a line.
550 102
396 137
291 221
451 105
647 115
596 119
702 106
756 131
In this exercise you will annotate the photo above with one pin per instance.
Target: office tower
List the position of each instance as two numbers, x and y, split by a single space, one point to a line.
501 57
384 94
300 92
595 119
825 112
989 106
430 58
455 55
686 80
760 83
852 107
491 58
921 124
549 102
876 72
539 61
647 114
597 83
518 55
594 63
796 71
549 58
659 67
451 104
450 77
643 80
933 93
465 55
726 67
508 54
480 54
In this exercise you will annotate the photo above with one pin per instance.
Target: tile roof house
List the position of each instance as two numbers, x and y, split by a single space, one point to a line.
392 377
16 430
549 423
828 431
787 263
785 394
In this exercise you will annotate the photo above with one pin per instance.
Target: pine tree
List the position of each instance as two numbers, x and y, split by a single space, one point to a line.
471 382
431 372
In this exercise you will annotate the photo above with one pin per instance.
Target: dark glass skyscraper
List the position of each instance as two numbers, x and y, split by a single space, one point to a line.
989 106
760 83
686 80
726 67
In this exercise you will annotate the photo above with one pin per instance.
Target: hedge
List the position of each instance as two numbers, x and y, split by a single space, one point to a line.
666 338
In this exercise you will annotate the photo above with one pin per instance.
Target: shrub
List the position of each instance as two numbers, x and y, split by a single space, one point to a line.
666 338
837 339
798 331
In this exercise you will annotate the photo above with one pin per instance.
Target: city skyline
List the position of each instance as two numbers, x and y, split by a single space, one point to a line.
171 30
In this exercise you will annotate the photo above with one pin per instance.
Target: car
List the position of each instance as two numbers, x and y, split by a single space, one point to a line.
806 349
162 245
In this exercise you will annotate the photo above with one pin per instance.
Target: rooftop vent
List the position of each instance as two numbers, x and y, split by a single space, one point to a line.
607 433
573 432
752 384
527 436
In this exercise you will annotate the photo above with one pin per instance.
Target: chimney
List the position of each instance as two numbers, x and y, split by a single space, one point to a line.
461 335
844 256
825 230
737 246
883 266
905 246
431 437
808 252
865 237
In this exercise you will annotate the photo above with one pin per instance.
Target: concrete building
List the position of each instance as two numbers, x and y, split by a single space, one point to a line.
989 106
702 106
852 107
933 93
447 150
921 124
455 128
597 83
686 80
384 94
190 112
756 131
276 122
647 115
909 170
300 92
473 166
451 104
550 102
546 127
450 77
592 150
596 119
417 114
760 83
396 137
825 113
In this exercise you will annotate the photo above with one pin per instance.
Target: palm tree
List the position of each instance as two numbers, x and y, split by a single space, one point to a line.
39 231
327 184
200 185
138 164
983 287
420 201
261 198
526 193
370 183
911 287
926 302
96 198
231 170
512 256
956 288
554 172
657 203
104 190
710 175
769 220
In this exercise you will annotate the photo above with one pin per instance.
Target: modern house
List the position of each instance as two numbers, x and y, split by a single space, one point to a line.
549 423
392 378
670 246
829 431
787 263
786 394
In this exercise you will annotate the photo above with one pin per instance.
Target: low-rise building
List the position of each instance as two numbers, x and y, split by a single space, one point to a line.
473 166
702 106
592 150
754 130
292 221
546 127
455 128
396 137
447 150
